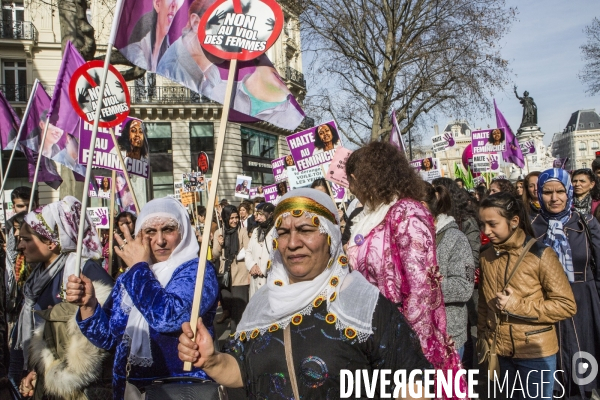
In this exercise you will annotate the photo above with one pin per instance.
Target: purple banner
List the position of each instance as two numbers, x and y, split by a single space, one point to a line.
165 40
314 146
270 193
123 195
512 153
61 111
487 147
131 137
9 124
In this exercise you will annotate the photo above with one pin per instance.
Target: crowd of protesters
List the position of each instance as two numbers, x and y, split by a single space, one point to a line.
410 275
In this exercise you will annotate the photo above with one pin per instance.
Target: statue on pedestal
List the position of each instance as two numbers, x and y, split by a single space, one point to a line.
529 109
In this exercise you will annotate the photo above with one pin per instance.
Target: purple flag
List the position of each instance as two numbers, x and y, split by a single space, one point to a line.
9 124
512 153
61 111
34 128
395 135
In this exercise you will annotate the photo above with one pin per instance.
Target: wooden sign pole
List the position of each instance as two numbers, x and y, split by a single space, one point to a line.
124 168
111 228
187 366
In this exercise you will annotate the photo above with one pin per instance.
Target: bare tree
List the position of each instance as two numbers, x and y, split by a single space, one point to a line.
590 75
418 56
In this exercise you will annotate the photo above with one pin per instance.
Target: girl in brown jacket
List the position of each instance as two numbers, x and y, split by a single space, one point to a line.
522 317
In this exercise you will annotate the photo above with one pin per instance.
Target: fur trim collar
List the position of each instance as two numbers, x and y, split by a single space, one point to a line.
81 361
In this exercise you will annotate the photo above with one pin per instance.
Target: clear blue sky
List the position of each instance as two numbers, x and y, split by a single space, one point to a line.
543 51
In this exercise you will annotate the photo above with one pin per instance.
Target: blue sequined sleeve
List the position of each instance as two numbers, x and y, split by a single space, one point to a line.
166 309
97 327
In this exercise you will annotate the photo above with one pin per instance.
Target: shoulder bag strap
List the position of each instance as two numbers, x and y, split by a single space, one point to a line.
287 341
521 257
588 235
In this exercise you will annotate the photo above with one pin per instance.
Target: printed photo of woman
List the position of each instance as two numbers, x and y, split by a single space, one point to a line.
496 137
426 164
327 138
133 140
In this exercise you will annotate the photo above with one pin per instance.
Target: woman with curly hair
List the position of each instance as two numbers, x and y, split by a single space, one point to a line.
502 185
530 194
327 138
585 190
396 229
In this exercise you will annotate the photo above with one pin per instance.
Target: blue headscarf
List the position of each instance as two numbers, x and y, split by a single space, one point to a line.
555 235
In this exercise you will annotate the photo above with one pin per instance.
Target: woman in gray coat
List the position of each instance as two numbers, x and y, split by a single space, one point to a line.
456 264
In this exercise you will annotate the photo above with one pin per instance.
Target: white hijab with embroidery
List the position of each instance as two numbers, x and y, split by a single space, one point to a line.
157 212
277 302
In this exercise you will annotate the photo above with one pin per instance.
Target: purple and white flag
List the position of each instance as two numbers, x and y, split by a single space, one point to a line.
395 135
512 153
9 124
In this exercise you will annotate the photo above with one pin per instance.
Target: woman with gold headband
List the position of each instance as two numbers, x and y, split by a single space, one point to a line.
309 302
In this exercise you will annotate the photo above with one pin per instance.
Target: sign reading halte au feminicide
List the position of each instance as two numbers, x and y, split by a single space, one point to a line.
232 30
84 93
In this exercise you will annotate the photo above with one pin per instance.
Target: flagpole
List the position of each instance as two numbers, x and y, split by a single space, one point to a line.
37 165
88 172
187 366
23 121
124 169
2 199
111 227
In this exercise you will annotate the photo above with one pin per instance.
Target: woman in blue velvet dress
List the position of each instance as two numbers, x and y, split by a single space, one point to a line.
142 318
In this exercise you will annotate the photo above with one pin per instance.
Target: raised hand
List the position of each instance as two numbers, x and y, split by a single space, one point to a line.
450 139
199 351
494 163
132 251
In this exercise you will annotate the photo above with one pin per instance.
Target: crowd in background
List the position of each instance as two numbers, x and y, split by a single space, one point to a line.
511 267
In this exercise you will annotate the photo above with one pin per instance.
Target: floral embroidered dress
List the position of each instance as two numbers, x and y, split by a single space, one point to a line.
398 256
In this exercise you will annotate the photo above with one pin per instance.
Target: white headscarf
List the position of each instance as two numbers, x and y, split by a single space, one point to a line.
157 211
277 302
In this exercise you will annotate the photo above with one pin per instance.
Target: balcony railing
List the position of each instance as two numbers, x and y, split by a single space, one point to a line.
165 95
139 95
10 29
21 93
295 76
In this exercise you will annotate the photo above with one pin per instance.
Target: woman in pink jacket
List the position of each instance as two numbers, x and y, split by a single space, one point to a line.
393 245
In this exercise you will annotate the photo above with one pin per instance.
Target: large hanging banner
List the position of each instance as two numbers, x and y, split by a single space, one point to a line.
132 139
488 146
169 40
314 146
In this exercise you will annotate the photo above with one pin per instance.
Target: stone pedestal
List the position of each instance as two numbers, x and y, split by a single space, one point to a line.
538 160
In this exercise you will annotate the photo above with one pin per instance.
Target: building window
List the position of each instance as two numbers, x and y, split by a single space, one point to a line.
202 137
260 178
582 146
581 125
258 144
15 80
583 165
595 145
457 152
161 158
591 124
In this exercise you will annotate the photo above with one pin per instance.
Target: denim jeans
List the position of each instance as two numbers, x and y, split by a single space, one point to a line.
530 376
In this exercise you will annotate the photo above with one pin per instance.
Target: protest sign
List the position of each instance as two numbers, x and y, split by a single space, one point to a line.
192 182
337 168
132 139
338 192
279 171
99 216
303 179
231 31
242 186
100 187
84 90
203 162
428 168
314 146
125 199
528 147
488 146
442 142
270 192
